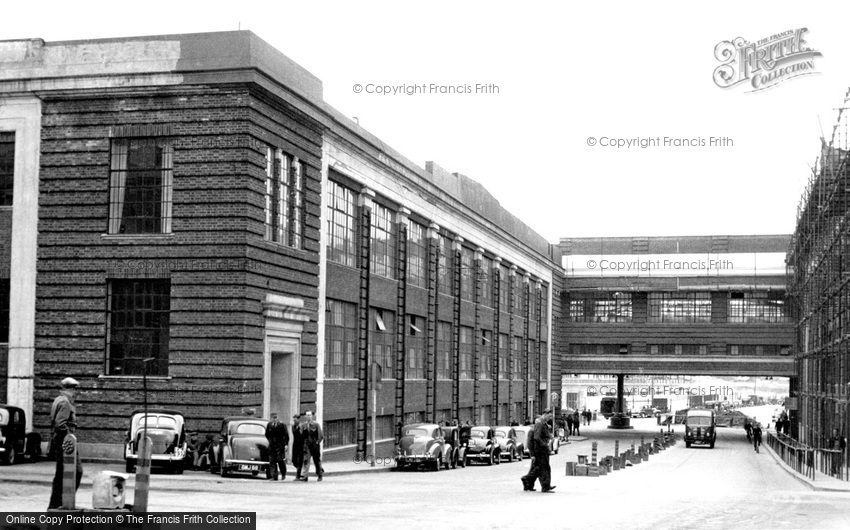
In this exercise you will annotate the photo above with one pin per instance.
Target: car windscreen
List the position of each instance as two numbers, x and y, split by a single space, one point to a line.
699 421
159 422
250 428
416 432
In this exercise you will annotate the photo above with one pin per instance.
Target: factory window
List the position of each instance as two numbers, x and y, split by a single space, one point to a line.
445 268
138 317
140 184
284 198
417 255
467 274
762 307
382 250
340 340
504 357
341 218
4 309
415 348
485 362
484 275
679 307
444 350
382 341
600 307
7 167
466 352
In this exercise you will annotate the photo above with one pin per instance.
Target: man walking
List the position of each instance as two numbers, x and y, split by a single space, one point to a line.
278 436
540 456
312 438
756 436
297 445
63 421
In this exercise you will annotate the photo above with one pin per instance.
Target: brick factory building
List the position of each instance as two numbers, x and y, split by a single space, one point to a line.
193 201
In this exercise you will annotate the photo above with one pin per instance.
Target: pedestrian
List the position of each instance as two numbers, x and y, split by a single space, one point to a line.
756 436
576 422
204 453
312 438
192 456
297 445
838 444
530 443
569 424
278 436
540 468
748 427
63 421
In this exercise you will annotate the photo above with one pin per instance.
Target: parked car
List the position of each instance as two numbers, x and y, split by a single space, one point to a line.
166 430
15 443
243 447
507 439
521 434
483 446
424 444
452 436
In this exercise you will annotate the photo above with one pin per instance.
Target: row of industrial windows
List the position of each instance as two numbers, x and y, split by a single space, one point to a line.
751 350
342 249
678 307
141 184
341 341
342 432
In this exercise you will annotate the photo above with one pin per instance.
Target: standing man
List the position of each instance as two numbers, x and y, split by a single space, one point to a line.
312 438
278 436
297 445
63 421
540 457
838 444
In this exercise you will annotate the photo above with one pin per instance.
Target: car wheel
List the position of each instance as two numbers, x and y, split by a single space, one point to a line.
711 445
11 456
511 455
466 461
33 449
462 461
498 456
454 459
687 444
439 463
222 470
490 458
129 466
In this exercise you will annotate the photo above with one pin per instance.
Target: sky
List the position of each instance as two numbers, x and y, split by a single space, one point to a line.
555 77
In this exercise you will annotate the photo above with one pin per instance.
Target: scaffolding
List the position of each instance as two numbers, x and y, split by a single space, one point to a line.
819 280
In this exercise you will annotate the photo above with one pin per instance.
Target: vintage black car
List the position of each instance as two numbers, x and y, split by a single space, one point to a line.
453 437
15 443
243 447
165 428
507 439
425 444
483 446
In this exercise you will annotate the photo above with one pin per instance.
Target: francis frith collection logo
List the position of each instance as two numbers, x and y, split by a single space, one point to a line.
765 63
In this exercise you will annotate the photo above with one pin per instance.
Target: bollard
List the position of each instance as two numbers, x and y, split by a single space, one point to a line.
571 469
616 448
69 472
593 454
143 476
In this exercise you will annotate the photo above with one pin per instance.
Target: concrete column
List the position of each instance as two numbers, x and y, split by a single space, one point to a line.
364 238
23 116
431 335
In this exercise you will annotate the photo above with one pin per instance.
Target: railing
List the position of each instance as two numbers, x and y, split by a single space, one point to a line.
807 460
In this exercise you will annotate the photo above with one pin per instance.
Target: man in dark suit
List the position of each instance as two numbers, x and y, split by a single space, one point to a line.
278 436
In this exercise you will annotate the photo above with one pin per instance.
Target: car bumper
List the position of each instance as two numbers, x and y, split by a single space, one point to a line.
415 459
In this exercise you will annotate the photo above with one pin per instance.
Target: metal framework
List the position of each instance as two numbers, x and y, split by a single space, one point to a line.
819 280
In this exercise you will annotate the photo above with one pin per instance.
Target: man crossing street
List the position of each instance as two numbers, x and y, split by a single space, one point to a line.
278 436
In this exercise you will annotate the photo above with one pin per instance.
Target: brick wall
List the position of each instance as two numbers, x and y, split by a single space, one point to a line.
219 266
